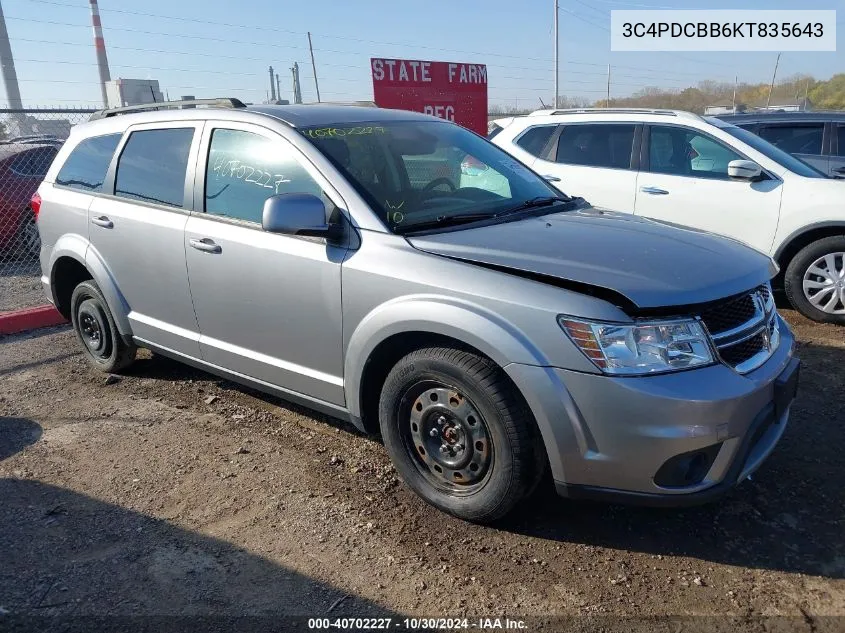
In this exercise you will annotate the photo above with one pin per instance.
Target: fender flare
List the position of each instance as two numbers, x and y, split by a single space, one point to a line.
78 248
830 224
440 315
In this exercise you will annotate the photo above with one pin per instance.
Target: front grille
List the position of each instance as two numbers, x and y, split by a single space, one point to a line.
733 312
744 328
737 354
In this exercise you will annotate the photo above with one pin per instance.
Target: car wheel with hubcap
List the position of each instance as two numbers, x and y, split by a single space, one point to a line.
460 433
94 325
815 280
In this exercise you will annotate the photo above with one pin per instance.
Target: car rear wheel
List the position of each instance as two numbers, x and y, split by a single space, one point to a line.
459 433
94 325
29 241
815 280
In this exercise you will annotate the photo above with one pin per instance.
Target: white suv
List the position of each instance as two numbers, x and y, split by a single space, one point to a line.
681 168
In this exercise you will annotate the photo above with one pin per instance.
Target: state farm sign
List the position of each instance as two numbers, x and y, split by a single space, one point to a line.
453 91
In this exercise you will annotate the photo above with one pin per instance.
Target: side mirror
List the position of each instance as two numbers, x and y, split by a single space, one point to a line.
744 170
298 214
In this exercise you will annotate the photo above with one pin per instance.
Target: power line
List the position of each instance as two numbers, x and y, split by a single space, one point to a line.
265 28
583 19
263 59
599 76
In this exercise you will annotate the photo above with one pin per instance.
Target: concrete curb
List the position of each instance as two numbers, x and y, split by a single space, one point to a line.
29 319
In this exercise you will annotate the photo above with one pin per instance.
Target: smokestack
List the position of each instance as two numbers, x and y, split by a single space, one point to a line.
297 92
278 88
272 86
100 47
10 77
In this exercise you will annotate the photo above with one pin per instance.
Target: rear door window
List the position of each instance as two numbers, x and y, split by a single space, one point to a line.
840 140
596 145
795 138
153 165
534 139
88 163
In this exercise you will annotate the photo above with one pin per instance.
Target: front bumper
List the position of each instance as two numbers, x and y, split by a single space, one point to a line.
609 437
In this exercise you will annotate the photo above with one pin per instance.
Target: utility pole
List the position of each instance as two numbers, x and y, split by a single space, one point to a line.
314 67
557 57
272 86
607 103
10 77
806 94
772 86
736 81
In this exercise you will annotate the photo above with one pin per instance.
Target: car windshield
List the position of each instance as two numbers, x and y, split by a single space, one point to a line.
776 154
420 173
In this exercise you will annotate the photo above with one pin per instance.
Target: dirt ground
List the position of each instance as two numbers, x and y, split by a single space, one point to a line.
171 492
20 285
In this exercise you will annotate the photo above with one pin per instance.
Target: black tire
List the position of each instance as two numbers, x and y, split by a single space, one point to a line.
490 437
94 325
800 265
29 240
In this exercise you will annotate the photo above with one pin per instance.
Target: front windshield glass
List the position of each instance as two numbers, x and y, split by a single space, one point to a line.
418 172
775 153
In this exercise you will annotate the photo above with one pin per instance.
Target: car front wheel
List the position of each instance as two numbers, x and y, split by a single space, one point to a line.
459 433
815 280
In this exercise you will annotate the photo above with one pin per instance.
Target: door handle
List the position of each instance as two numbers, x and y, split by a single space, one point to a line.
103 221
655 191
206 245
839 170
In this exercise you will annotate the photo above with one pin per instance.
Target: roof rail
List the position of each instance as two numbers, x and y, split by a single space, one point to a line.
227 102
658 111
364 103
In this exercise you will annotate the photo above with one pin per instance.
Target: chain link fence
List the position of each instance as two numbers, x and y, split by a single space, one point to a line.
29 140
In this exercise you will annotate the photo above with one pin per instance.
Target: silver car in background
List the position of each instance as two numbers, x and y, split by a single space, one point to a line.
340 257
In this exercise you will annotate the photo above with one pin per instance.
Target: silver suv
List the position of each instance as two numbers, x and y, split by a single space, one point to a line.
332 255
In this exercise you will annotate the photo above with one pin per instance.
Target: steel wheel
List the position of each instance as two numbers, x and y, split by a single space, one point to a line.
824 283
93 329
448 438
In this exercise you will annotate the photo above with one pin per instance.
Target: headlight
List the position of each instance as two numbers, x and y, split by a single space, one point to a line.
642 348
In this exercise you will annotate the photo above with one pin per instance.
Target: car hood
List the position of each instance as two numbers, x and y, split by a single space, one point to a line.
651 264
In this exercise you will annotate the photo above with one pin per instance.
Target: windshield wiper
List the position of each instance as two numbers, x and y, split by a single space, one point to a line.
442 221
535 203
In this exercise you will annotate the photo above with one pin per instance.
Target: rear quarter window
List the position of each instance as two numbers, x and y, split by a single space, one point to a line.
86 166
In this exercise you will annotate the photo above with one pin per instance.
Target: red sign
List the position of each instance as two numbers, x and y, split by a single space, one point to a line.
452 91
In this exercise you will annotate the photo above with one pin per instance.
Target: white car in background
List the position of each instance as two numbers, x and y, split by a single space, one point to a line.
681 168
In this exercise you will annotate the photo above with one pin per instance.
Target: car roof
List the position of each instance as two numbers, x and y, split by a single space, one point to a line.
562 116
12 149
299 115
780 117
308 115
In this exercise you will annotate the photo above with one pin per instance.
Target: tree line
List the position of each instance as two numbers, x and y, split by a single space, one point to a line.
820 95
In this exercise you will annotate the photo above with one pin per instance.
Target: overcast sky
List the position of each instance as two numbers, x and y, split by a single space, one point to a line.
223 48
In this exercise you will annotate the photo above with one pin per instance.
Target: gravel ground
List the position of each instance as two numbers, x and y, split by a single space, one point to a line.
20 285
169 491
